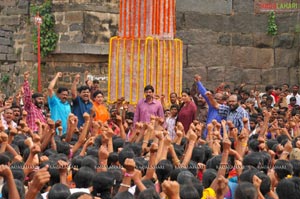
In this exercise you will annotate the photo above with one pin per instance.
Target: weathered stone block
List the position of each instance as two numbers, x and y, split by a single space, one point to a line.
15 11
293 76
242 40
74 17
284 41
216 73
233 74
60 1
5 41
205 6
77 38
2 33
61 28
243 6
75 48
262 40
10 50
3 57
198 36
19 36
23 4
286 57
76 27
28 49
209 55
224 39
282 75
12 57
29 57
8 3
275 76
286 22
59 16
3 49
64 38
248 23
251 76
217 23
247 57
9 20
269 76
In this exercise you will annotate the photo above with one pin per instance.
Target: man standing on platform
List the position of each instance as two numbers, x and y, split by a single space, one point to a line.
148 106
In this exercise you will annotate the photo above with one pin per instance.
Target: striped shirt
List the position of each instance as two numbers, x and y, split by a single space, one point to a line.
235 116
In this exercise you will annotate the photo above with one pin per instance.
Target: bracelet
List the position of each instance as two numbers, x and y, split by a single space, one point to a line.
125 185
128 175
285 153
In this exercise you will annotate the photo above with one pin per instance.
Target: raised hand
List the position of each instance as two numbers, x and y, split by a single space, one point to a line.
129 165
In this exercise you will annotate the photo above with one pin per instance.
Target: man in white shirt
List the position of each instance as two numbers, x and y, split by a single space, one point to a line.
295 94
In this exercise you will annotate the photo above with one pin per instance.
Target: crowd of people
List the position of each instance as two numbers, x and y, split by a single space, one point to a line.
223 142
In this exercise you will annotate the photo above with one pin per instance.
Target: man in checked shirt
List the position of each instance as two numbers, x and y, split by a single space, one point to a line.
33 104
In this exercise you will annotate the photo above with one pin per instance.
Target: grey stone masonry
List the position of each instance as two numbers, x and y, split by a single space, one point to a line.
205 6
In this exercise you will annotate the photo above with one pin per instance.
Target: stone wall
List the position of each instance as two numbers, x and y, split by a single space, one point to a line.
224 40
84 28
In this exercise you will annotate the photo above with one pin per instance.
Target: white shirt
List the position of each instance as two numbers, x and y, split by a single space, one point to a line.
292 95
171 122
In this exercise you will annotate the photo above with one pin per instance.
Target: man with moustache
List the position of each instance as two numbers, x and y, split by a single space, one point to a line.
81 100
148 106
33 104
232 111
58 104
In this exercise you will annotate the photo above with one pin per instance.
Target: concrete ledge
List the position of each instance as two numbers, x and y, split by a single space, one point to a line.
78 48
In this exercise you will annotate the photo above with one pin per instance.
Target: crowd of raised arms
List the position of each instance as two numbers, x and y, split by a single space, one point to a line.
233 143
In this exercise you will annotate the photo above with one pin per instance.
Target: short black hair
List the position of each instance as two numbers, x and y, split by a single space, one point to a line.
97 93
62 89
187 91
35 95
96 81
149 87
174 106
83 88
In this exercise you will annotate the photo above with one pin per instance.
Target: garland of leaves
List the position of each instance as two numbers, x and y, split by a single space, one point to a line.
272 26
48 37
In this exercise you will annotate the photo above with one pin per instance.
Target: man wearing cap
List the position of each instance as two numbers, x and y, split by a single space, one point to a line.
33 105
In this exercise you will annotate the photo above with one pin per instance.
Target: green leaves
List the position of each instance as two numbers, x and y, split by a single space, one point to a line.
272 26
48 37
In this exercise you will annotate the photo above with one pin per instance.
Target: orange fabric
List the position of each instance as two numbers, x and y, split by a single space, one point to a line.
101 112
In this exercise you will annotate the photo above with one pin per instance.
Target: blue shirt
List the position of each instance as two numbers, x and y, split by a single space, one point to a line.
79 108
212 113
235 116
59 111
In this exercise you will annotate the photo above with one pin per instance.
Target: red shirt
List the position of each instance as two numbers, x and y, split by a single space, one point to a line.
187 114
33 112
